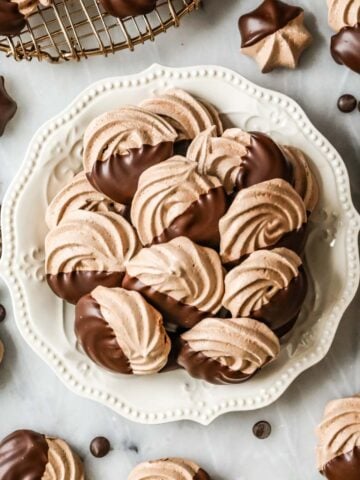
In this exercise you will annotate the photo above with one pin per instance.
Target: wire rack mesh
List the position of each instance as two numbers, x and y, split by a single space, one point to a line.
76 29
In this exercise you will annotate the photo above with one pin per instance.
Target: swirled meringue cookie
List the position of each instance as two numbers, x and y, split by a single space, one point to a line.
225 351
338 450
79 194
88 249
120 145
182 280
270 286
12 21
305 182
8 105
128 8
239 159
343 13
174 200
188 115
168 469
266 215
274 34
25 454
121 332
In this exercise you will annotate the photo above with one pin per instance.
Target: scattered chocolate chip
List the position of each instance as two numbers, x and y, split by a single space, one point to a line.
2 313
262 430
347 103
99 447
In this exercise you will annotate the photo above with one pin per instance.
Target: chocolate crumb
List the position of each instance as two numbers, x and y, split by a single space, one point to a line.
262 430
133 448
2 313
99 447
347 103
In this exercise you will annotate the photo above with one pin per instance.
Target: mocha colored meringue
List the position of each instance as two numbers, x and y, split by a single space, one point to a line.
227 350
305 182
339 440
30 455
139 343
343 13
168 469
26 7
79 194
259 217
181 270
188 115
274 34
173 199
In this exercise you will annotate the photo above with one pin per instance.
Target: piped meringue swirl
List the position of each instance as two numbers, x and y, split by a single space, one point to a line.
168 469
253 284
343 13
186 272
165 192
259 217
339 432
88 241
63 463
114 133
188 115
79 195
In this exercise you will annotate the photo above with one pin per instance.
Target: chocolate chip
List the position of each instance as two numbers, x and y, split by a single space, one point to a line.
347 103
2 313
262 430
99 447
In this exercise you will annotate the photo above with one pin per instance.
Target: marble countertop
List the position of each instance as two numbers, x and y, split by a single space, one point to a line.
30 394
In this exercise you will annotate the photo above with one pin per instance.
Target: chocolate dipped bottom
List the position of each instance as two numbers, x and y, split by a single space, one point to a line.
344 467
118 176
8 106
12 21
127 8
23 455
268 18
345 47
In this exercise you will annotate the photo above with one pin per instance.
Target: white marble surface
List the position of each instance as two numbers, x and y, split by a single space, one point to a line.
30 394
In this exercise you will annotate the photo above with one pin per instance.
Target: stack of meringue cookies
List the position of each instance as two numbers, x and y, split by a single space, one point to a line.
180 243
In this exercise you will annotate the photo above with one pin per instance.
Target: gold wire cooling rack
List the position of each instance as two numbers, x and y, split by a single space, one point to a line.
75 29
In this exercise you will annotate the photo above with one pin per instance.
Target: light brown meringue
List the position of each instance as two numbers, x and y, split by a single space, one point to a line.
282 48
220 156
166 191
2 350
188 115
89 241
339 432
167 469
120 130
183 270
63 463
138 328
252 284
26 7
79 194
259 217
305 182
343 13
241 344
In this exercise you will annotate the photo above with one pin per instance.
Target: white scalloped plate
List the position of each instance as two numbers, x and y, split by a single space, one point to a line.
47 323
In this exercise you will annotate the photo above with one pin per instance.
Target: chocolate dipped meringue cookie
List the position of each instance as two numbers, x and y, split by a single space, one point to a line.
345 47
343 13
174 200
169 469
79 194
8 106
182 280
269 286
12 21
121 332
239 159
274 34
25 454
88 249
120 145
2 350
227 351
267 215
338 450
128 8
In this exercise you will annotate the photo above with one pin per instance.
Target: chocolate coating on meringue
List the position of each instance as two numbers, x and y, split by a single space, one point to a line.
12 21
8 106
270 16
169 469
23 454
128 8
345 47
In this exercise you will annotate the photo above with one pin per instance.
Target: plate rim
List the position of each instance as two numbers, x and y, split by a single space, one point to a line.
8 263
